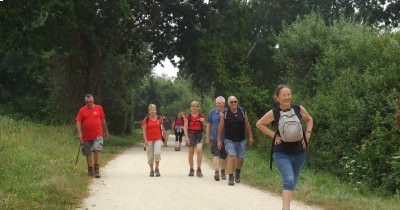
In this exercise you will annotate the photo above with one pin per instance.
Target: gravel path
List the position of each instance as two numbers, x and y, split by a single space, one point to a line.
125 184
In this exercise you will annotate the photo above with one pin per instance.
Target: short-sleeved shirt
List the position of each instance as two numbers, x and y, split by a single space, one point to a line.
153 129
195 125
213 118
91 120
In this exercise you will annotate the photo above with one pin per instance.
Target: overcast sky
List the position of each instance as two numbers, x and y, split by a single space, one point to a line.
168 69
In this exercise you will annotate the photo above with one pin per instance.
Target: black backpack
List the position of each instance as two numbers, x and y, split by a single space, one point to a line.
277 114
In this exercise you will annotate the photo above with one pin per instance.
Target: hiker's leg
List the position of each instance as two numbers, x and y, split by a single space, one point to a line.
215 152
150 154
89 160
230 149
96 154
157 152
190 156
223 155
199 153
297 164
284 165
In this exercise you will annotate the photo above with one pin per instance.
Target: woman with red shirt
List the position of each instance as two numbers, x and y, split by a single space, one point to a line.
193 126
177 128
152 134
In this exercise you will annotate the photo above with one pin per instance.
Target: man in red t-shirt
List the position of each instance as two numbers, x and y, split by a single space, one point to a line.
90 122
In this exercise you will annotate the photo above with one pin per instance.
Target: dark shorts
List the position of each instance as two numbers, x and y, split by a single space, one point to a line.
195 138
216 152
91 146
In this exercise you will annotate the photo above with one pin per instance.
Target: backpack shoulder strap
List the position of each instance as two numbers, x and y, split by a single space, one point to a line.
297 111
277 114
225 112
242 111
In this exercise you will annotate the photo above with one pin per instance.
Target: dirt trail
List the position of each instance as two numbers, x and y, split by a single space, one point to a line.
125 184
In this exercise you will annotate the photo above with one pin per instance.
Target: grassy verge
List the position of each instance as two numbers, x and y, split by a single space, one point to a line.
37 165
314 188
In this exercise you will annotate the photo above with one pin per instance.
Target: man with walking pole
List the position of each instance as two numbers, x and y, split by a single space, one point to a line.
90 123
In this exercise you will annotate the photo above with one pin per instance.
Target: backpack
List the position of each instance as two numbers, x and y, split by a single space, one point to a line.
160 122
240 108
190 118
288 127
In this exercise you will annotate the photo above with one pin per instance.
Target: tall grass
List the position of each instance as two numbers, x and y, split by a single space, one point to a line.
314 188
37 165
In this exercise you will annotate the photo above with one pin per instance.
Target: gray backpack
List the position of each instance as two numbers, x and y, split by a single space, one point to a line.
289 126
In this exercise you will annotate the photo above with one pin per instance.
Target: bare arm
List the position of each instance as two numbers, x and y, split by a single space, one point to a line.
263 122
309 122
220 129
144 128
185 128
208 132
105 128
79 129
248 130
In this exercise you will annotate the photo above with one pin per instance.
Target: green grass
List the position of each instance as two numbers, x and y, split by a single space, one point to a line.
37 165
314 188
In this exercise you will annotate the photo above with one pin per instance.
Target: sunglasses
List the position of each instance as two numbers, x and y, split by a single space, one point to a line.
233 102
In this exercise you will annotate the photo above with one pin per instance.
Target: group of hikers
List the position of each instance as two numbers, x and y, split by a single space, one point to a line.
226 128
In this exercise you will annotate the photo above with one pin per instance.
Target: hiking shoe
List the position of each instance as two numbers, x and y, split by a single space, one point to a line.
216 175
191 172
96 171
90 170
151 173
223 176
157 173
198 173
231 181
237 176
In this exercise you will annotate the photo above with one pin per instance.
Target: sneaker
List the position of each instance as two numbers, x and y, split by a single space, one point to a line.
231 181
151 173
216 175
198 173
90 170
157 173
191 172
237 176
96 171
223 176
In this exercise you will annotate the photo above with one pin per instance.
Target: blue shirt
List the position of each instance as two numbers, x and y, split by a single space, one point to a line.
213 119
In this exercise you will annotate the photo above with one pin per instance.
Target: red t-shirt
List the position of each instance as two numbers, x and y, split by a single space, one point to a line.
153 131
91 120
195 124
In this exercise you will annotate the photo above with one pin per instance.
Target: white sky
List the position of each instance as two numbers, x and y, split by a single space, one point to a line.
168 69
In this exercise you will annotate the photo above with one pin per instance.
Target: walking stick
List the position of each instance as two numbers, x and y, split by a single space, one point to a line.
77 156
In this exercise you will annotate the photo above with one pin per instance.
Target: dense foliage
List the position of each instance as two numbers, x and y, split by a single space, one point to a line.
348 76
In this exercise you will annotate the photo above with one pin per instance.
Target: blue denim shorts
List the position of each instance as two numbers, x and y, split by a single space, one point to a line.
289 165
234 148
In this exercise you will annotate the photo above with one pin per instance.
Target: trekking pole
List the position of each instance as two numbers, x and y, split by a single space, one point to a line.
77 156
